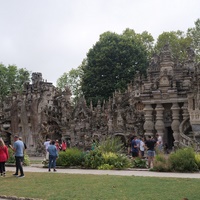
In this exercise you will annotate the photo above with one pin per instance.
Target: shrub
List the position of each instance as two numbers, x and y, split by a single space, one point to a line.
122 162
109 158
118 161
26 160
11 158
197 159
161 163
138 163
183 160
111 144
106 167
70 157
93 159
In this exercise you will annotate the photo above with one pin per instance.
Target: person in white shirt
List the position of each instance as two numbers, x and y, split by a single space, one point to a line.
159 142
142 147
46 144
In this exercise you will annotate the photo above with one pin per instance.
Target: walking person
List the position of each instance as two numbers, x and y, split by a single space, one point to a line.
3 157
18 148
53 155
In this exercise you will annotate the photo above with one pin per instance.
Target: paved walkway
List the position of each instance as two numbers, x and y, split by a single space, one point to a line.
131 172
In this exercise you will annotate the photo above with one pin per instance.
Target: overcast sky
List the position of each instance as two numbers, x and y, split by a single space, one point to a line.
54 36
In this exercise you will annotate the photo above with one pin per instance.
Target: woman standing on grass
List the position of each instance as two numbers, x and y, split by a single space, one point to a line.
3 157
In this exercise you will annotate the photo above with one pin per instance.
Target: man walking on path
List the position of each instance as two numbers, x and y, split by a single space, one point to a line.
18 148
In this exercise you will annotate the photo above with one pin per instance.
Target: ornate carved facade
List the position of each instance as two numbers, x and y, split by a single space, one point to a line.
165 102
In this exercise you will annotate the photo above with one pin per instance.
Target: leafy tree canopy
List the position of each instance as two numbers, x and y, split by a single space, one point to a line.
71 79
144 39
111 64
194 34
178 41
12 79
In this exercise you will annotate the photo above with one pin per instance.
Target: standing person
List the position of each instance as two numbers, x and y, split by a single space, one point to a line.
150 144
53 155
57 145
25 147
138 145
63 145
3 157
159 142
18 148
142 147
46 144
134 147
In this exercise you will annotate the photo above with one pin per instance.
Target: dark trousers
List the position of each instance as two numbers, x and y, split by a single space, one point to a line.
2 167
19 161
52 162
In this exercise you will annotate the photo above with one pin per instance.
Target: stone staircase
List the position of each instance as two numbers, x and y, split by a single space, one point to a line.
187 137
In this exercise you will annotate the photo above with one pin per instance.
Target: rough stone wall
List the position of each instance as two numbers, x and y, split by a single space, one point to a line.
43 111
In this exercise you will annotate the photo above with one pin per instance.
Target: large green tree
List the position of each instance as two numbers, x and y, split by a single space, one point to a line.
12 79
178 41
72 80
194 34
145 39
111 64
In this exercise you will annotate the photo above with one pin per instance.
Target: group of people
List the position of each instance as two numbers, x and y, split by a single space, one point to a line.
18 148
52 148
138 147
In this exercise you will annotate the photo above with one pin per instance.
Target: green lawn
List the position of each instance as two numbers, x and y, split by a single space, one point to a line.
55 186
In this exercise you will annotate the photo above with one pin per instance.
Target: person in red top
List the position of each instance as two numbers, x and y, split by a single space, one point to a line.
64 145
3 157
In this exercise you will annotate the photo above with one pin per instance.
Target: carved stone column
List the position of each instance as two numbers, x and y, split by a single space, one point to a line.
148 125
159 125
175 123
185 111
